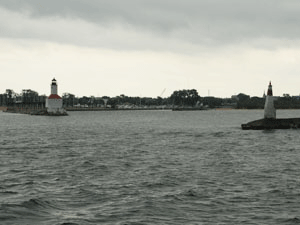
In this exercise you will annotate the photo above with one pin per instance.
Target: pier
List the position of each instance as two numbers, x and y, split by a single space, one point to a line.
263 124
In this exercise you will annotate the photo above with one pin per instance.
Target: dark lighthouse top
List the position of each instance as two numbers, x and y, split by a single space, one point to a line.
53 82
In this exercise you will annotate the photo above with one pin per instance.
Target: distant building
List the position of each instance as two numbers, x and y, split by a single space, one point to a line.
54 102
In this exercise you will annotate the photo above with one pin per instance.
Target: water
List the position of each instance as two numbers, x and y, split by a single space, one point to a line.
148 167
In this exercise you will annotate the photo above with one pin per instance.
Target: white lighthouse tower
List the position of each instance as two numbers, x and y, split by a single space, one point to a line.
269 112
54 103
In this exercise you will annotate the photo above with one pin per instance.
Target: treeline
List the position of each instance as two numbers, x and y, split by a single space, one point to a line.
284 102
27 97
179 98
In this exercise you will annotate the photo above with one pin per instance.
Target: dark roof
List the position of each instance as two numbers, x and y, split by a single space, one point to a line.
54 97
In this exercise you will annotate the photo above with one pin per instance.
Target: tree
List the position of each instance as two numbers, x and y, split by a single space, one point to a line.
68 99
185 97
9 94
243 100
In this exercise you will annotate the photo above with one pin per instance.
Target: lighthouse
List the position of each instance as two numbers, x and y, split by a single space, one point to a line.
269 112
270 121
54 103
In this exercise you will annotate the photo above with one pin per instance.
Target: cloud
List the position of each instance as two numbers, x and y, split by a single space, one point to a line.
145 46
144 24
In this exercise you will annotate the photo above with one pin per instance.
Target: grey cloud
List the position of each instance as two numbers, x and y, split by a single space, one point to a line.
210 22
134 12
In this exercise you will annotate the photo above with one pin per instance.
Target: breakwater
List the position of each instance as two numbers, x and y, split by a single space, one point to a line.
272 124
23 110
37 111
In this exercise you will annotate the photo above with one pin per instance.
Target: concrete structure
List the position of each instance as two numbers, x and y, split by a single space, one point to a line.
54 103
269 112
270 121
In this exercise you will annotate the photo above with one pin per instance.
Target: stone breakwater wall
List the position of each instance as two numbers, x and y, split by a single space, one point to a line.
33 111
25 110
262 124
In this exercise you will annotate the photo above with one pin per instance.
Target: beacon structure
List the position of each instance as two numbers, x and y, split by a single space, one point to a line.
269 111
270 121
54 103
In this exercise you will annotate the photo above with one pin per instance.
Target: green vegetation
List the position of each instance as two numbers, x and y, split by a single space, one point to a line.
284 102
179 98
185 97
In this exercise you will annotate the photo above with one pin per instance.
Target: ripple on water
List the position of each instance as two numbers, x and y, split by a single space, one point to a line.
147 168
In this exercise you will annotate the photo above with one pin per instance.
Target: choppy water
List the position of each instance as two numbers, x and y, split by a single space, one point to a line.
148 167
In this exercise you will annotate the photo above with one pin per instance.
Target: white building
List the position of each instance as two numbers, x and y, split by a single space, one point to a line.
54 102
269 112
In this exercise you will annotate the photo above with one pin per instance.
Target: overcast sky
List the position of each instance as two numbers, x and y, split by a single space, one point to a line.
143 47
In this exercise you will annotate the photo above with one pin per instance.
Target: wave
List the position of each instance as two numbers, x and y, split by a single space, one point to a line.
35 211
293 220
67 223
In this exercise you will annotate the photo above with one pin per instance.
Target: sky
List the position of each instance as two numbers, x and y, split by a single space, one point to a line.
150 48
